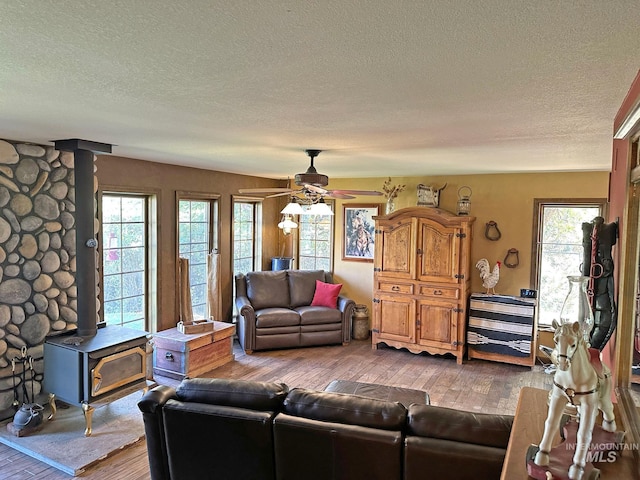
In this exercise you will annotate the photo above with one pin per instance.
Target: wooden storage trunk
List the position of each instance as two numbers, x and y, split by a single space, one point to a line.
179 355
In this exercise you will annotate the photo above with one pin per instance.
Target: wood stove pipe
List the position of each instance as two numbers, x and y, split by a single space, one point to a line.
86 242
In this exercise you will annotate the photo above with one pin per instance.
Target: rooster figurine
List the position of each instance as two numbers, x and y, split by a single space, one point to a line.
489 278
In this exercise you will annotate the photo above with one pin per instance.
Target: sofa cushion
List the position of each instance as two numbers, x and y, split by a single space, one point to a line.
326 294
266 396
268 289
318 315
302 285
447 459
276 317
344 408
466 427
317 450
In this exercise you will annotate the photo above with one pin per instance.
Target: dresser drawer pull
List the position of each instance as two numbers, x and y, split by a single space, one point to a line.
395 288
169 356
437 292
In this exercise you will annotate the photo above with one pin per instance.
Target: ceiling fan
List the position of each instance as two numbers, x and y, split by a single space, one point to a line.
311 185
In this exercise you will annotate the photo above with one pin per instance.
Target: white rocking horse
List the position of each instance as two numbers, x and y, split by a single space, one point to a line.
585 382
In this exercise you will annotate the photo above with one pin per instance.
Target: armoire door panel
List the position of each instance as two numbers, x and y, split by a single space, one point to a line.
438 325
440 248
397 318
397 250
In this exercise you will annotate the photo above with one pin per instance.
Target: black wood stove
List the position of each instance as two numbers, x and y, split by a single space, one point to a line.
86 369
90 364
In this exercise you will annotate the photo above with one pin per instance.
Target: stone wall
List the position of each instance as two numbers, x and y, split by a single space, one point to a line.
37 257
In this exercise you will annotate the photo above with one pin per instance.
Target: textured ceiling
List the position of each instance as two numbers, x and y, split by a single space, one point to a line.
386 87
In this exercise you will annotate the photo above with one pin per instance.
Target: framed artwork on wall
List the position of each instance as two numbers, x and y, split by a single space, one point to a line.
358 238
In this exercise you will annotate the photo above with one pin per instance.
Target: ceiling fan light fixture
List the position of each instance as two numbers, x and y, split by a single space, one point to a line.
320 208
293 208
287 224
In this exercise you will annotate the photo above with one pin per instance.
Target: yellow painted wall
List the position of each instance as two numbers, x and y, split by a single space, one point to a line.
504 198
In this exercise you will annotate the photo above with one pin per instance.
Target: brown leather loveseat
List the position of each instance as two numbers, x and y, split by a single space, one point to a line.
276 310
236 429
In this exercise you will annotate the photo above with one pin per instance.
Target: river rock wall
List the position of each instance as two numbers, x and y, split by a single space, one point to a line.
37 258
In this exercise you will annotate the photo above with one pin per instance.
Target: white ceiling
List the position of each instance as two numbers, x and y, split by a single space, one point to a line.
386 87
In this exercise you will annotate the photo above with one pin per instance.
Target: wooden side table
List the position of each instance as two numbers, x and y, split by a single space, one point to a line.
179 355
528 426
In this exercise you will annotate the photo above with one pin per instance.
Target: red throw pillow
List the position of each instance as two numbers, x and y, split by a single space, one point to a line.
326 294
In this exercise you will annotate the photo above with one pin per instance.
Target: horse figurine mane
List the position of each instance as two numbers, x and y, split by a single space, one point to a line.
585 386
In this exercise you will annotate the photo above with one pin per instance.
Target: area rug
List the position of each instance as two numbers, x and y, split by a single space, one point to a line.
61 442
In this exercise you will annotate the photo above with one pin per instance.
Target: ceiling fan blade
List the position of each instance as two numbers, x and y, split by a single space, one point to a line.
334 194
313 188
290 192
266 190
358 192
311 182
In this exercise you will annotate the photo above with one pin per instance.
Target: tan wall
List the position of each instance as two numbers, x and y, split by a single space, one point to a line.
165 180
506 199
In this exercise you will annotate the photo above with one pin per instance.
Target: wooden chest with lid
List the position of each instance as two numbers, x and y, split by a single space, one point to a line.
179 355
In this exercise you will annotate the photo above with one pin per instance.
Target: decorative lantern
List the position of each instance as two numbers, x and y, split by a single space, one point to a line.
287 224
464 200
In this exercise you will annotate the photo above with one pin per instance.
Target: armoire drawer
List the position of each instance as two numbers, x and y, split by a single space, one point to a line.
439 292
395 287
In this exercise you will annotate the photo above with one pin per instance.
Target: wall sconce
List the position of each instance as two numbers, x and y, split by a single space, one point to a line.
287 224
112 252
464 200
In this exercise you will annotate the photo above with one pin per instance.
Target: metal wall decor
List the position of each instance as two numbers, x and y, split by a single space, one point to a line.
512 258
491 231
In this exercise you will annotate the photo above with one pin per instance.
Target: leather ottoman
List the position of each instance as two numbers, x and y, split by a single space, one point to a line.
405 396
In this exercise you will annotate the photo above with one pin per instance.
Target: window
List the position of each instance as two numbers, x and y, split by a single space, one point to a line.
559 251
196 222
124 260
315 239
246 236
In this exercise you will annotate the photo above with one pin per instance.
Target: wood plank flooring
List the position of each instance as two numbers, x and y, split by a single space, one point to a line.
476 385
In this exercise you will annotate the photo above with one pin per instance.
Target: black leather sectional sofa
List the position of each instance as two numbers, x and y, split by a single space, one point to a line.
235 429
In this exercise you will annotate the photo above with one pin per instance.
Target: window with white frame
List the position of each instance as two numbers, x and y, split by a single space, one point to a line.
247 239
125 268
315 242
559 250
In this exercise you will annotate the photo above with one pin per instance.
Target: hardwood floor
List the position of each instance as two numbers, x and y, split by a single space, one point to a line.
476 385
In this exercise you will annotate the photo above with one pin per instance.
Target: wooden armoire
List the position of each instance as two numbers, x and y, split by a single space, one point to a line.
421 280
